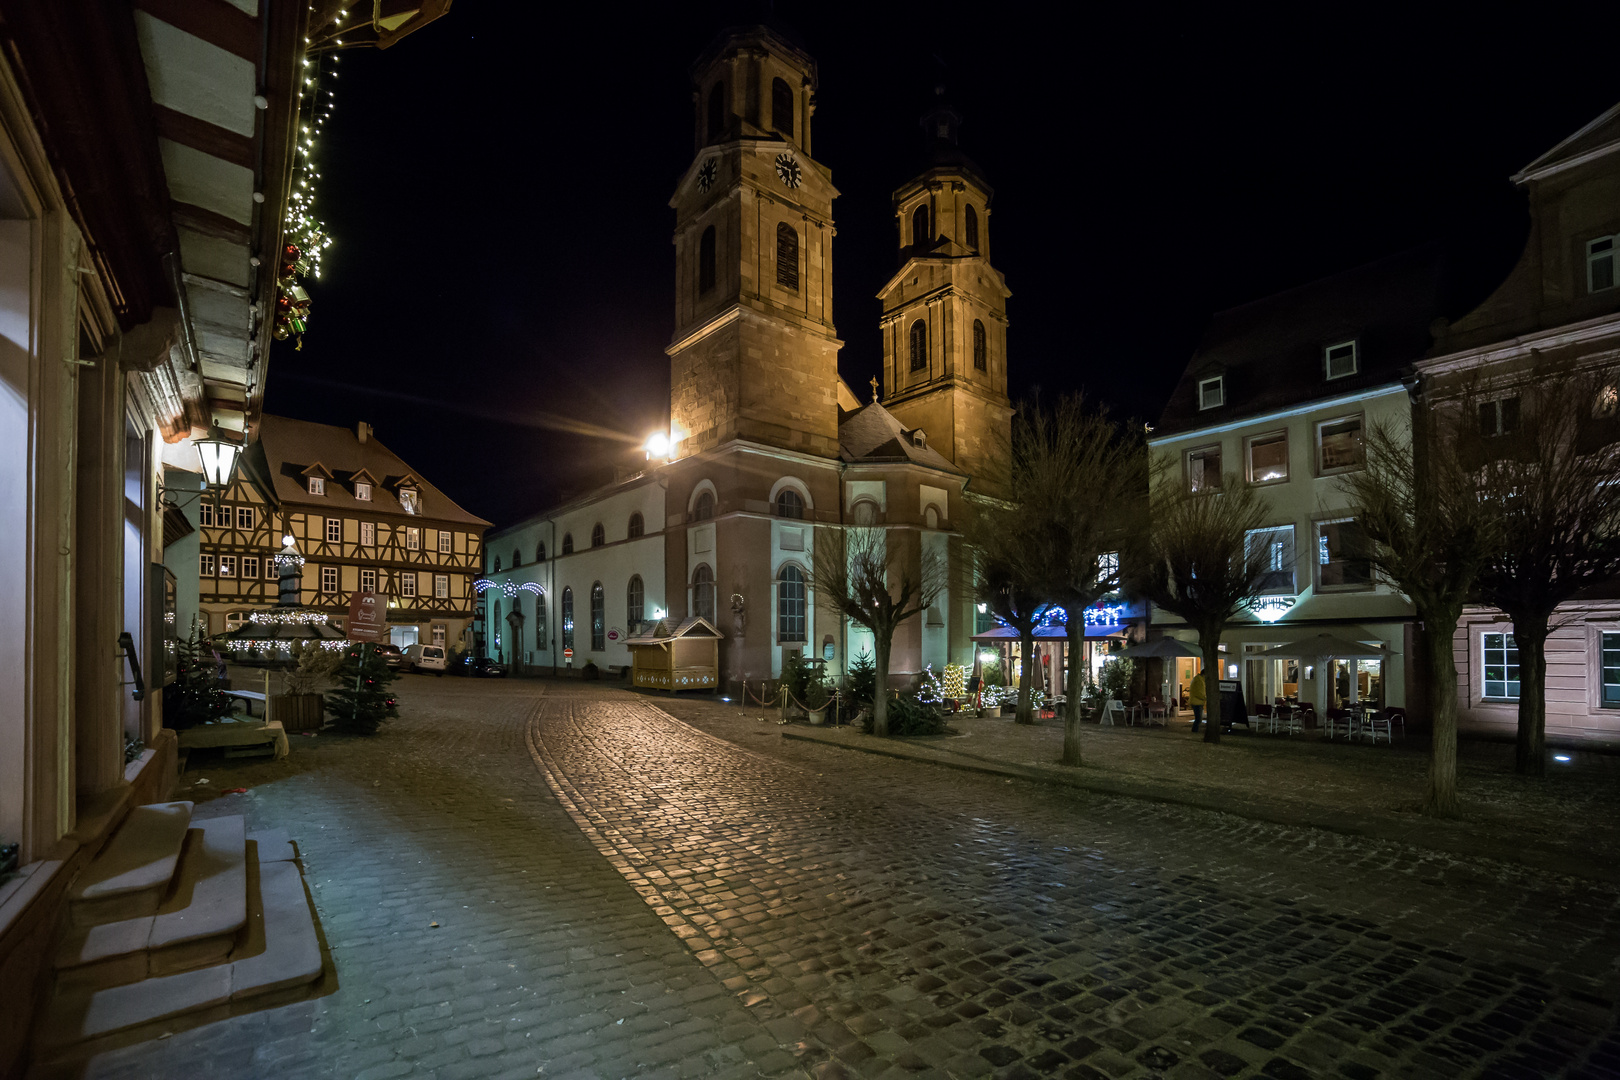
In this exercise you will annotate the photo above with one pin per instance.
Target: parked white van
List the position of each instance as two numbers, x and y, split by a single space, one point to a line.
425 658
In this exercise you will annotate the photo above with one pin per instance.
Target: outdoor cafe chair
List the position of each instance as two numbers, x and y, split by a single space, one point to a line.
1376 724
1265 718
1397 718
1156 707
1151 714
1337 719
1289 720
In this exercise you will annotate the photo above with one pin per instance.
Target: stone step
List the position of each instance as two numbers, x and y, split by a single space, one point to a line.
274 845
278 950
132 874
196 925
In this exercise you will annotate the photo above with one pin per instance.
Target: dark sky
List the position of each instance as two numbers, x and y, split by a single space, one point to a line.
498 185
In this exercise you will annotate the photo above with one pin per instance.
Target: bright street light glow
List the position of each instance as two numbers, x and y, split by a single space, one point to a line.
657 445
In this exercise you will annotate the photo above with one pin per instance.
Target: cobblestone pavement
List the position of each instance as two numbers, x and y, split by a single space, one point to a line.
688 905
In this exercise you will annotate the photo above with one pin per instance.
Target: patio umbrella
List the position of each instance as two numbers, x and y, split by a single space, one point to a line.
1324 647
1164 648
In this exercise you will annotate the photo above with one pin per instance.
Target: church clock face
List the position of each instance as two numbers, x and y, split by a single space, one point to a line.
787 168
706 174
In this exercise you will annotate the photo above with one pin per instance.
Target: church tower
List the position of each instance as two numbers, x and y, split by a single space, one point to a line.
754 355
945 314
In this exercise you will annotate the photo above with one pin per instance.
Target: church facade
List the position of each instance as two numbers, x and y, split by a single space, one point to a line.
768 446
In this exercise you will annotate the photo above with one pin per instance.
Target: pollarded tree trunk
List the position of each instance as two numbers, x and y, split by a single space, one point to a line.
1026 709
881 643
1530 633
1441 668
1211 645
1073 686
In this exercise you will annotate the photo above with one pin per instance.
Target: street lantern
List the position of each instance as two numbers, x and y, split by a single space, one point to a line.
219 457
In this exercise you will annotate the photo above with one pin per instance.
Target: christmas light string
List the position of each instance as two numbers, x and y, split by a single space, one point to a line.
306 239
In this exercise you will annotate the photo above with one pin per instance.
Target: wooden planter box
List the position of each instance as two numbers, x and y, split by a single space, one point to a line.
298 712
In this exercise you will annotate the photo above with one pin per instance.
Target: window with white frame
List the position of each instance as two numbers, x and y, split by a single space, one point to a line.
438 634
1609 646
1204 469
334 530
1212 392
1108 567
317 485
413 538
368 534
250 566
790 606
244 518
441 586
1499 417
329 579
271 570
1499 667
205 514
1600 264
1340 360
635 602
227 566
1275 549
410 500
368 579
1339 445
1268 458
1341 558
362 491
205 565
444 541
407 584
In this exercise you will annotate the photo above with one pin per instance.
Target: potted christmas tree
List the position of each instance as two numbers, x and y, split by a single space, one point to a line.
359 701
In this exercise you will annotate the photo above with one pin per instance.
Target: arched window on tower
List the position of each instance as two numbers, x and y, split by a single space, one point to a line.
971 229
703 592
717 111
706 260
919 345
981 351
789 504
920 233
790 628
598 535
787 256
638 525
704 510
635 603
782 107
598 618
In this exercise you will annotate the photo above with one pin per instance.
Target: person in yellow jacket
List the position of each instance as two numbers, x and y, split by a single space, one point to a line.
1197 699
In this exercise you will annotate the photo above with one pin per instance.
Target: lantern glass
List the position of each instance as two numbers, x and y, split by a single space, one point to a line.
218 458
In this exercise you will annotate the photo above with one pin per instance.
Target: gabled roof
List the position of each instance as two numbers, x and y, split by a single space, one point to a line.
872 434
287 450
1600 137
1271 351
663 631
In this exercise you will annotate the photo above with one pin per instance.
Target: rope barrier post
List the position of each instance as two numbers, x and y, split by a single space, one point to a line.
784 703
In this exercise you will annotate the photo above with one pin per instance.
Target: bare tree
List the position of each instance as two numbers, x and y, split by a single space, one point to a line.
852 576
1548 479
1199 564
1427 532
1080 482
1004 584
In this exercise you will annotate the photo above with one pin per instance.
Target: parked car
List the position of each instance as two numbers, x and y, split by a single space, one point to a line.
421 657
486 668
391 655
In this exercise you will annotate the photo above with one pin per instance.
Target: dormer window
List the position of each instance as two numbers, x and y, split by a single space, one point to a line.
1212 392
362 491
1600 263
1340 360
410 500
317 485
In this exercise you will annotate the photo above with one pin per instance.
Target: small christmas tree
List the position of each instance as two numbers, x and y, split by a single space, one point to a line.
195 696
359 701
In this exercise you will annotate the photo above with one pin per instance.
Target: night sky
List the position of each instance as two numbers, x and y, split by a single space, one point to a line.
500 290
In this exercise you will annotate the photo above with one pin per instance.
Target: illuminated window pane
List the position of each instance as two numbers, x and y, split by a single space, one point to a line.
1500 666
1268 459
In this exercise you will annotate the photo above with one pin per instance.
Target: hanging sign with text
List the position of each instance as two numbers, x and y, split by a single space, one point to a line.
368 618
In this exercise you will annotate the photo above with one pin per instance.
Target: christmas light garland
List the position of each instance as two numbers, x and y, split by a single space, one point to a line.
306 239
507 588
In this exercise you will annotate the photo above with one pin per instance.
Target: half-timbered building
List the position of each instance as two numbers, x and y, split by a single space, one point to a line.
361 518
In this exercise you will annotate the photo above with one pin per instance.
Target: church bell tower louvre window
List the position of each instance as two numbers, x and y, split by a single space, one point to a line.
706 260
970 230
782 107
981 351
787 256
789 504
919 345
717 111
920 234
